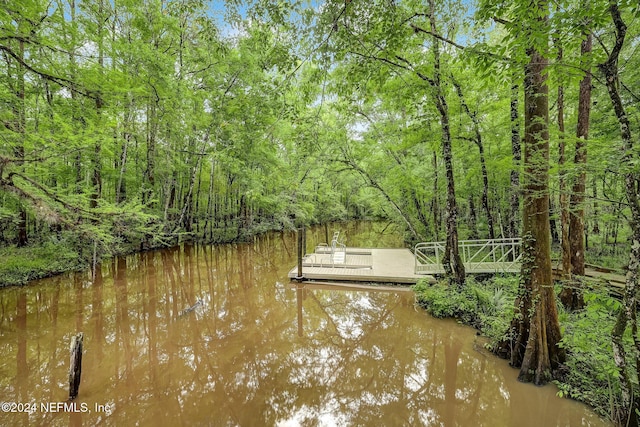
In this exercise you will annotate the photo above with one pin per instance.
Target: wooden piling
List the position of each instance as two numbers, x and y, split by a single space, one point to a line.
299 275
75 368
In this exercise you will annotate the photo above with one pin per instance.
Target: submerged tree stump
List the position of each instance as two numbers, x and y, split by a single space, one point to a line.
75 365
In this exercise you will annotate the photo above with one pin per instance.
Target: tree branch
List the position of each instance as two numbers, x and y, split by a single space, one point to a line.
438 36
60 80
472 49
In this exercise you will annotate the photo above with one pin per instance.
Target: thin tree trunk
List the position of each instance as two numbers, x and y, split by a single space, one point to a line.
564 199
516 152
121 190
473 219
452 262
477 139
572 296
152 129
185 217
436 199
21 127
596 208
210 215
553 226
96 176
627 316
576 204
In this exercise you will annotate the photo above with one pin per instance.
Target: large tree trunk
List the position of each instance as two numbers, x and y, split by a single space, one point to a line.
536 327
627 414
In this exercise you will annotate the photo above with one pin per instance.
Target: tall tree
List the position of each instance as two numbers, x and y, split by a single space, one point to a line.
535 330
14 56
628 413
571 296
452 261
516 153
562 176
477 139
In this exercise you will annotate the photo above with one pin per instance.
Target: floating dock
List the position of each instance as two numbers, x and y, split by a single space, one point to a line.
398 266
376 265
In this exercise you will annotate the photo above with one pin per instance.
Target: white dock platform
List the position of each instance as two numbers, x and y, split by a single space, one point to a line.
385 266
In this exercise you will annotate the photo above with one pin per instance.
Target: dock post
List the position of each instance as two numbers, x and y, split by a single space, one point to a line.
75 368
299 275
304 240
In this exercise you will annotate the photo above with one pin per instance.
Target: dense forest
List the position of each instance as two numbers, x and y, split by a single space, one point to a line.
132 125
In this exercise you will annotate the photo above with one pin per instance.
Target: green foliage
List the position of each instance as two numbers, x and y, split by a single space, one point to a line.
19 265
487 306
591 375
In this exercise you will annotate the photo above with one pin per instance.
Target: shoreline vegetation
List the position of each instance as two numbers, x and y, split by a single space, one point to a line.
63 254
589 374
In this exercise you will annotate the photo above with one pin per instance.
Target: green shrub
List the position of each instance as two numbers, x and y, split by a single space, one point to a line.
487 306
441 300
591 375
34 262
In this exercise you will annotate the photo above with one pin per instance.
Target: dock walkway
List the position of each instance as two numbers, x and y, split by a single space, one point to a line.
381 266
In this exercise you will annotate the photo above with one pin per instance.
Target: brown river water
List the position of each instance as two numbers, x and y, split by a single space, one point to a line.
255 350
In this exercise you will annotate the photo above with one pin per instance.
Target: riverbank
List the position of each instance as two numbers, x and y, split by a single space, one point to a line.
589 375
64 254
21 265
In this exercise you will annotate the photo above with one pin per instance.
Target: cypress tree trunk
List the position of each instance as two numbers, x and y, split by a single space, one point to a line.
536 329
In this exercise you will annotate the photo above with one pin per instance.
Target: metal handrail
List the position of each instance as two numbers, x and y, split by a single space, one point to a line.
336 247
477 255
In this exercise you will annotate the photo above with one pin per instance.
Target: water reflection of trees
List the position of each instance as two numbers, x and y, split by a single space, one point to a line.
243 357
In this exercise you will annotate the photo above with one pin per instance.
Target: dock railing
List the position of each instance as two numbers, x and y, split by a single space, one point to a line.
478 256
336 250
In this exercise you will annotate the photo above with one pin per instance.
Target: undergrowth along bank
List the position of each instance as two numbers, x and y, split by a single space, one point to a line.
67 252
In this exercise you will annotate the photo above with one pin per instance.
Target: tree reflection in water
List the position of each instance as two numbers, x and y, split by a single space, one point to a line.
255 351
